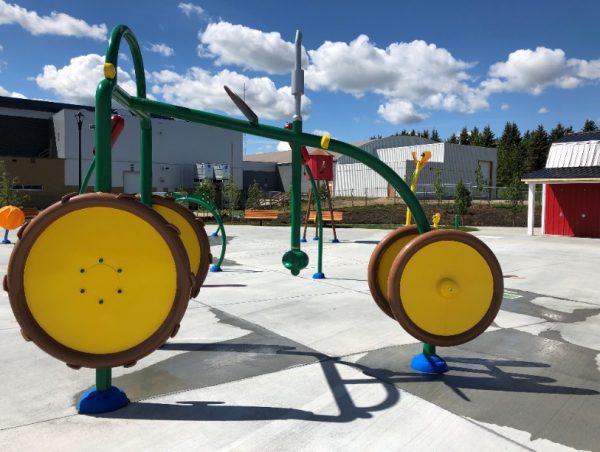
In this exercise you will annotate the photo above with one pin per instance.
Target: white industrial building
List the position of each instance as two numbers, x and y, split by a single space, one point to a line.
40 145
455 161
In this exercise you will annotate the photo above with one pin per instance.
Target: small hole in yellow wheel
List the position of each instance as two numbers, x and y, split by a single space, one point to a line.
448 288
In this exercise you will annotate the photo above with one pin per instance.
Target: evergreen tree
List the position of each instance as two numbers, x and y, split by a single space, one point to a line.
462 198
475 136
480 181
8 196
536 145
558 132
435 136
207 189
589 126
413 133
453 139
254 196
425 133
487 138
232 195
438 186
510 155
464 137
514 196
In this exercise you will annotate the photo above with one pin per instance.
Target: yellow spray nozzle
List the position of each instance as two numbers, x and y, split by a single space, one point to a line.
110 72
325 141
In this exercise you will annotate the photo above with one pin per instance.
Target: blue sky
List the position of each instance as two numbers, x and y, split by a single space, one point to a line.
371 68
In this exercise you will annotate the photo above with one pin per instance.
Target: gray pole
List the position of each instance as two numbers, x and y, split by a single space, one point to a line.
298 78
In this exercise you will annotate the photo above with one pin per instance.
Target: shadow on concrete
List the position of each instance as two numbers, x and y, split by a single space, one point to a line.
219 411
466 373
486 375
367 242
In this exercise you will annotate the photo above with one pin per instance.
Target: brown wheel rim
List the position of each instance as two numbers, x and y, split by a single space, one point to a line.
201 270
393 242
78 205
437 279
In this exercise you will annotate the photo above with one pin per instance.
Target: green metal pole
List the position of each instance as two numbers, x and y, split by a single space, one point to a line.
215 213
102 137
296 203
319 219
103 379
86 179
146 161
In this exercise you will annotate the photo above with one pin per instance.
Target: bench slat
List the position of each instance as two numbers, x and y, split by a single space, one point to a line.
30 212
337 216
261 214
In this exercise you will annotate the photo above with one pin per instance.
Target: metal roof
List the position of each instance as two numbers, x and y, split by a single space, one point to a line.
39 105
581 136
579 173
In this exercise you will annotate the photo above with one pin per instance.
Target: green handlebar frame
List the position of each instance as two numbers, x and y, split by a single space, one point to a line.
109 89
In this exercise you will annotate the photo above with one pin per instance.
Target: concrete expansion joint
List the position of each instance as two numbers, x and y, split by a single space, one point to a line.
291 297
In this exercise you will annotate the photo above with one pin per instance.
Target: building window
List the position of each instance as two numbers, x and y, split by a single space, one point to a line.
28 187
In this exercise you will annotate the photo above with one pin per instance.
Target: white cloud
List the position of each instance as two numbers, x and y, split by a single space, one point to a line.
198 88
248 48
543 110
161 49
400 111
533 71
585 69
1 47
320 132
54 24
4 92
283 146
408 75
189 9
504 107
77 81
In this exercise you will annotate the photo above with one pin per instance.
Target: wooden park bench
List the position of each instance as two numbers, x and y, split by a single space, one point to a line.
337 216
251 214
30 212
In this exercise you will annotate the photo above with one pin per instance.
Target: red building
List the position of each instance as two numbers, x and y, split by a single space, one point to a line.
570 187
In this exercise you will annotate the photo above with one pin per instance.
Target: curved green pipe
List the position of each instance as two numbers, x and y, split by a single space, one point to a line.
319 218
210 207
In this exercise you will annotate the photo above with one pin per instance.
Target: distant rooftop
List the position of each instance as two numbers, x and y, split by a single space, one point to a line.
581 136
39 105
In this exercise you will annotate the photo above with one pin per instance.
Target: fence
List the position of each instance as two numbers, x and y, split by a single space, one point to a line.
428 192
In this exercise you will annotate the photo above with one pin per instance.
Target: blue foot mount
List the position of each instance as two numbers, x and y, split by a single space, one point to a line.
431 364
96 402
215 269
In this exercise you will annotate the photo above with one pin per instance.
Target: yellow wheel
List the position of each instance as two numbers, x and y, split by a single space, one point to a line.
192 234
98 280
381 262
445 287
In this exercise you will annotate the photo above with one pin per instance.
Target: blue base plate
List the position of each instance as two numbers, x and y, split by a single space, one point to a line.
315 238
6 242
335 241
319 275
303 240
431 364
215 269
215 234
96 402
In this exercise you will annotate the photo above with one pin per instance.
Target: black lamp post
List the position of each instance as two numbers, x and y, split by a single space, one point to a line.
79 118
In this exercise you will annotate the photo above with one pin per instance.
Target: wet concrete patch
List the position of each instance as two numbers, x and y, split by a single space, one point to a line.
508 378
521 302
208 364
